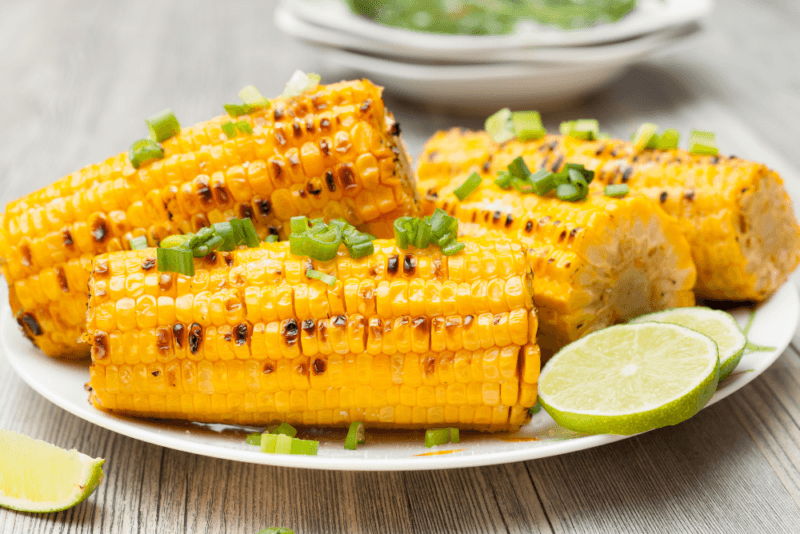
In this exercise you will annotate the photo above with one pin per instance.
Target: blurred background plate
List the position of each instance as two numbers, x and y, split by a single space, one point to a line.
648 16
479 90
288 22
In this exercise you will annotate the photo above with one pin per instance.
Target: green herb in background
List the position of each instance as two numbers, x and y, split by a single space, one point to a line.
489 17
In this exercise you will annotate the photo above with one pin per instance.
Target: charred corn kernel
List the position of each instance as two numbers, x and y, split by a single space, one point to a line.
735 214
239 343
323 164
595 263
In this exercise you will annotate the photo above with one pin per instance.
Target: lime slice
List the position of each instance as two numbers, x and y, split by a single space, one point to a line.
718 325
630 378
38 477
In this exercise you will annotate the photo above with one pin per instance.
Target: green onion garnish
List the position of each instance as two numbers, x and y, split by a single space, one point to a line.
235 110
568 192
616 190
361 249
174 241
500 126
519 169
252 97
586 129
163 125
229 129
455 435
536 408
268 442
703 143
504 179
175 260
299 225
271 238
453 248
646 136
316 275
138 243
276 530
668 140
323 244
244 127
470 185
304 446
224 230
528 125
250 235
283 428
402 227
356 435
283 444
437 436
543 182
299 83
254 439
143 151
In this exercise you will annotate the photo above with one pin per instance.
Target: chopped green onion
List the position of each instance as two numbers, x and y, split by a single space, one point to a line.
437 436
138 243
143 151
528 125
453 248
299 224
323 245
504 179
254 439
268 442
355 436
499 126
523 186
298 244
173 241
536 408
316 275
212 244
519 169
359 250
568 192
586 129
543 182
616 190
646 136
250 235
703 143
271 238
225 231
203 235
283 428
283 444
576 178
455 436
669 140
304 446
244 127
440 222
163 125
424 235
470 185
229 129
201 250
176 260
235 110
299 83
276 530
401 231
252 97
603 136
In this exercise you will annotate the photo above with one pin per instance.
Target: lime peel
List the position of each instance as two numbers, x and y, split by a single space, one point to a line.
630 378
39 477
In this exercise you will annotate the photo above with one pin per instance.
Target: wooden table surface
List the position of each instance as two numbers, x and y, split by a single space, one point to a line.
76 81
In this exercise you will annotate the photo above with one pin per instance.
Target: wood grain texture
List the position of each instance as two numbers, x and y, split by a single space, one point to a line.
78 78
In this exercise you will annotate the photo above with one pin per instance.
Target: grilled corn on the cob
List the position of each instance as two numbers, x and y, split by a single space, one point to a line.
735 214
595 262
331 152
403 339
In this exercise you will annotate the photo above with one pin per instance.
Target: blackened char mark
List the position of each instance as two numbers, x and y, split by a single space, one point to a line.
195 337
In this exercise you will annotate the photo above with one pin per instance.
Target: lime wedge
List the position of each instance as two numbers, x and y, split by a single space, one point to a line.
38 477
718 325
630 378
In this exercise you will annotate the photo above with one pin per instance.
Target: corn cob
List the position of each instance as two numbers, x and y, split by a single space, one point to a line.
403 339
735 214
331 152
595 262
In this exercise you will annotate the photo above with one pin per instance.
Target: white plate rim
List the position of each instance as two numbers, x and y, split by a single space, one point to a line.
335 15
785 300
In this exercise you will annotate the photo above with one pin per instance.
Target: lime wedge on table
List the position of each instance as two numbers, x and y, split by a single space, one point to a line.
38 477
630 378
718 325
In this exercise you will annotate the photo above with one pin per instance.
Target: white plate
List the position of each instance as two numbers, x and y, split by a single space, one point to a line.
648 16
63 384
479 90
628 49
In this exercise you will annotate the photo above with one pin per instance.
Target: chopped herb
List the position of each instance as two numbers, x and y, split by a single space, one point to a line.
316 275
176 260
616 190
163 125
243 126
252 97
138 243
143 151
229 129
646 137
468 187
356 435
528 125
500 126
703 143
